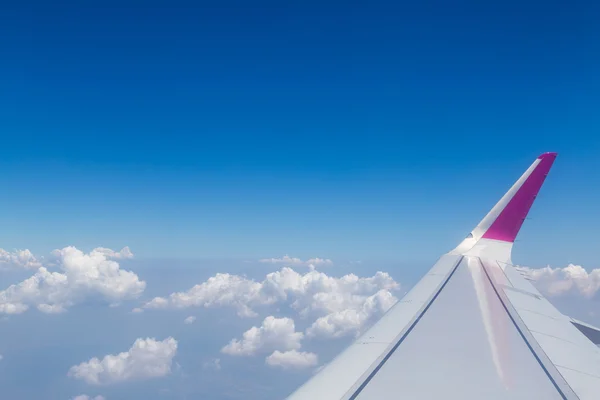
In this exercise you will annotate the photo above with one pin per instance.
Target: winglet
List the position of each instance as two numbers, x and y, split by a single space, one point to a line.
495 234
507 224
504 221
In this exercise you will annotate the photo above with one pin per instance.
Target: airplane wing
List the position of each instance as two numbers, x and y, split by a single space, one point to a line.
472 328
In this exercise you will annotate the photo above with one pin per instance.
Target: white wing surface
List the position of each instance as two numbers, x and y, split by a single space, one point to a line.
472 328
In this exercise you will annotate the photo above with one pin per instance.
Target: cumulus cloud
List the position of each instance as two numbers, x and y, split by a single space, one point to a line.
147 358
572 279
124 253
292 359
86 397
312 293
273 334
189 320
18 259
287 260
82 275
349 320
219 290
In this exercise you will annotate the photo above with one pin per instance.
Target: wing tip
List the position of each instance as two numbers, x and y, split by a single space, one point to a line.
507 223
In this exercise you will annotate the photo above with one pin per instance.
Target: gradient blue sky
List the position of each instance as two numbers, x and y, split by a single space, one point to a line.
377 130
208 135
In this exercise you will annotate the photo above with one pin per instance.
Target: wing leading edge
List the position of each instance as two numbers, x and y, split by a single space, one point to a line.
472 327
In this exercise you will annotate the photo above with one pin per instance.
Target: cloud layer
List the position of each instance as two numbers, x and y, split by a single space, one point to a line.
344 303
147 358
82 275
331 306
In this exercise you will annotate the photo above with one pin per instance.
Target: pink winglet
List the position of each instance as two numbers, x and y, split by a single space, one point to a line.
509 221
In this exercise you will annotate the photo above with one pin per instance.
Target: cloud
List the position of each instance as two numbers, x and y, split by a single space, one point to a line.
283 260
18 259
287 260
318 292
147 358
292 359
219 290
351 319
319 261
273 334
189 320
311 293
572 279
86 397
82 276
124 253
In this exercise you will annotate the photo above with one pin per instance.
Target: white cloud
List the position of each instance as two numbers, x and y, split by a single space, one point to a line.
10 308
51 308
292 359
318 292
86 397
311 293
219 290
273 334
19 259
124 253
337 306
572 279
1 357
82 276
189 320
147 358
283 260
351 319
319 261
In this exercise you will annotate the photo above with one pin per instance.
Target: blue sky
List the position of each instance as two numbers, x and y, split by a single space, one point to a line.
229 129
208 135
